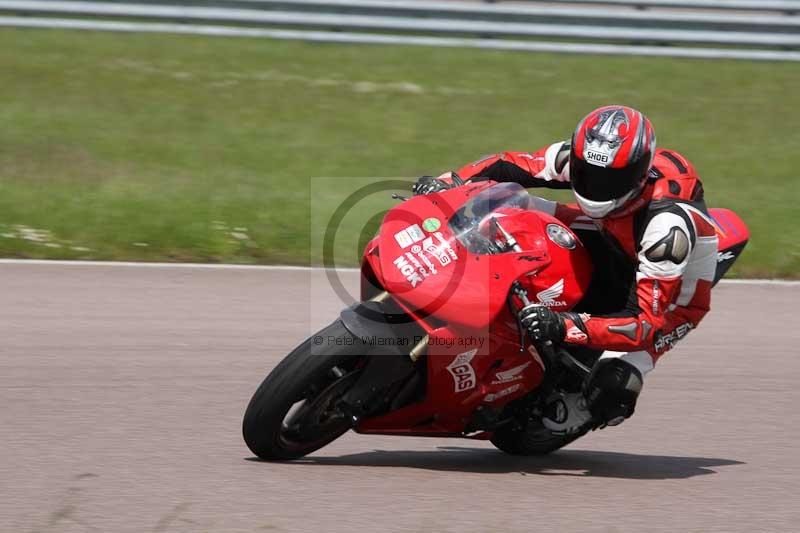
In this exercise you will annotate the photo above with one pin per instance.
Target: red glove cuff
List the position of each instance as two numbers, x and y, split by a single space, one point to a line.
574 334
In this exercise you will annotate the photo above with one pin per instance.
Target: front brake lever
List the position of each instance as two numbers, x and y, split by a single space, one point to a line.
396 196
511 309
522 294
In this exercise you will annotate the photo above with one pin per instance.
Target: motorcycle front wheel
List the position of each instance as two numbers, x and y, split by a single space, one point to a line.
293 412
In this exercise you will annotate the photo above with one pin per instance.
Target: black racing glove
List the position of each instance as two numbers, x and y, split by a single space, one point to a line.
542 323
429 184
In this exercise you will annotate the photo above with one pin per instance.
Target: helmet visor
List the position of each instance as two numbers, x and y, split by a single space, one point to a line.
601 184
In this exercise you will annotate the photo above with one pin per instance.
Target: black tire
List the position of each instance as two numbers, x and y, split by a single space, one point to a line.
534 439
305 375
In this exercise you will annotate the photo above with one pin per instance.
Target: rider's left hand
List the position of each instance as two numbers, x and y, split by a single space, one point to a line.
542 323
546 325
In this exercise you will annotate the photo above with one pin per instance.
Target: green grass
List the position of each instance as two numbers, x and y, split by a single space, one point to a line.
145 147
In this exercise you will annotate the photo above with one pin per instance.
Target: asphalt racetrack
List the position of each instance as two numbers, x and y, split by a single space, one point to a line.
123 388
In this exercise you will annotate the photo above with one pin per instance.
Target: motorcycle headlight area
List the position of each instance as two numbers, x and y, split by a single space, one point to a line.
561 236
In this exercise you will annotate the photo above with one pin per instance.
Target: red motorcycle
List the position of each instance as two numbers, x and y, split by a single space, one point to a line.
435 347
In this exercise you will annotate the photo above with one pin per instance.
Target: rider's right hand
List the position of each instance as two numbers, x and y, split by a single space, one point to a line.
429 184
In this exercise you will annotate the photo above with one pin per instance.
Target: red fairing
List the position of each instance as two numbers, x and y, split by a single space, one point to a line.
463 374
460 298
731 230
451 280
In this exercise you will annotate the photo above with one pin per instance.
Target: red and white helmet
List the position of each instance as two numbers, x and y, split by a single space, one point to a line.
612 151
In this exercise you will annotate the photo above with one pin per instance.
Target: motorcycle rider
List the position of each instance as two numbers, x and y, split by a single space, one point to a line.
640 213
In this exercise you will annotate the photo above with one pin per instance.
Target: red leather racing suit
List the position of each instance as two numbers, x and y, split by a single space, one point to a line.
666 237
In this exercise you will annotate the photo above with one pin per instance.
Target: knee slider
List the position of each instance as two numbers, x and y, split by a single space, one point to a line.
612 390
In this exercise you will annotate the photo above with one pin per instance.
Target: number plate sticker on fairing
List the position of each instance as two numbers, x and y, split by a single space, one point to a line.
409 236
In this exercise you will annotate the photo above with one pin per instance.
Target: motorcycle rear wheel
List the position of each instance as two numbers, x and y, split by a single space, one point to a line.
533 439
293 412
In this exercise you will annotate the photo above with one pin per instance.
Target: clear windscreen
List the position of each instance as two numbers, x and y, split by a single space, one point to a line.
472 223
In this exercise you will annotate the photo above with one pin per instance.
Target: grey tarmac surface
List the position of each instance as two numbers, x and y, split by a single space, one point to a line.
122 392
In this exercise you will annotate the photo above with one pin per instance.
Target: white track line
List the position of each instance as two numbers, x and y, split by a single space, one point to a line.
229 266
202 266
776 282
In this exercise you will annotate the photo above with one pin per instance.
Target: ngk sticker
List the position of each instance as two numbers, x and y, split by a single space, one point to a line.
408 271
409 236
462 371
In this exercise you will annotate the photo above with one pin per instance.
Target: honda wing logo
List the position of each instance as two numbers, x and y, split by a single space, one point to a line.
511 374
548 296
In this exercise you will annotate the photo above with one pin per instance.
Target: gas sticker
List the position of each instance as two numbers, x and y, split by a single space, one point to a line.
436 251
446 245
462 371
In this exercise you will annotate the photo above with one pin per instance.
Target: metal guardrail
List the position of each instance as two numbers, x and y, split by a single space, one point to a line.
785 6
626 28
594 16
709 12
